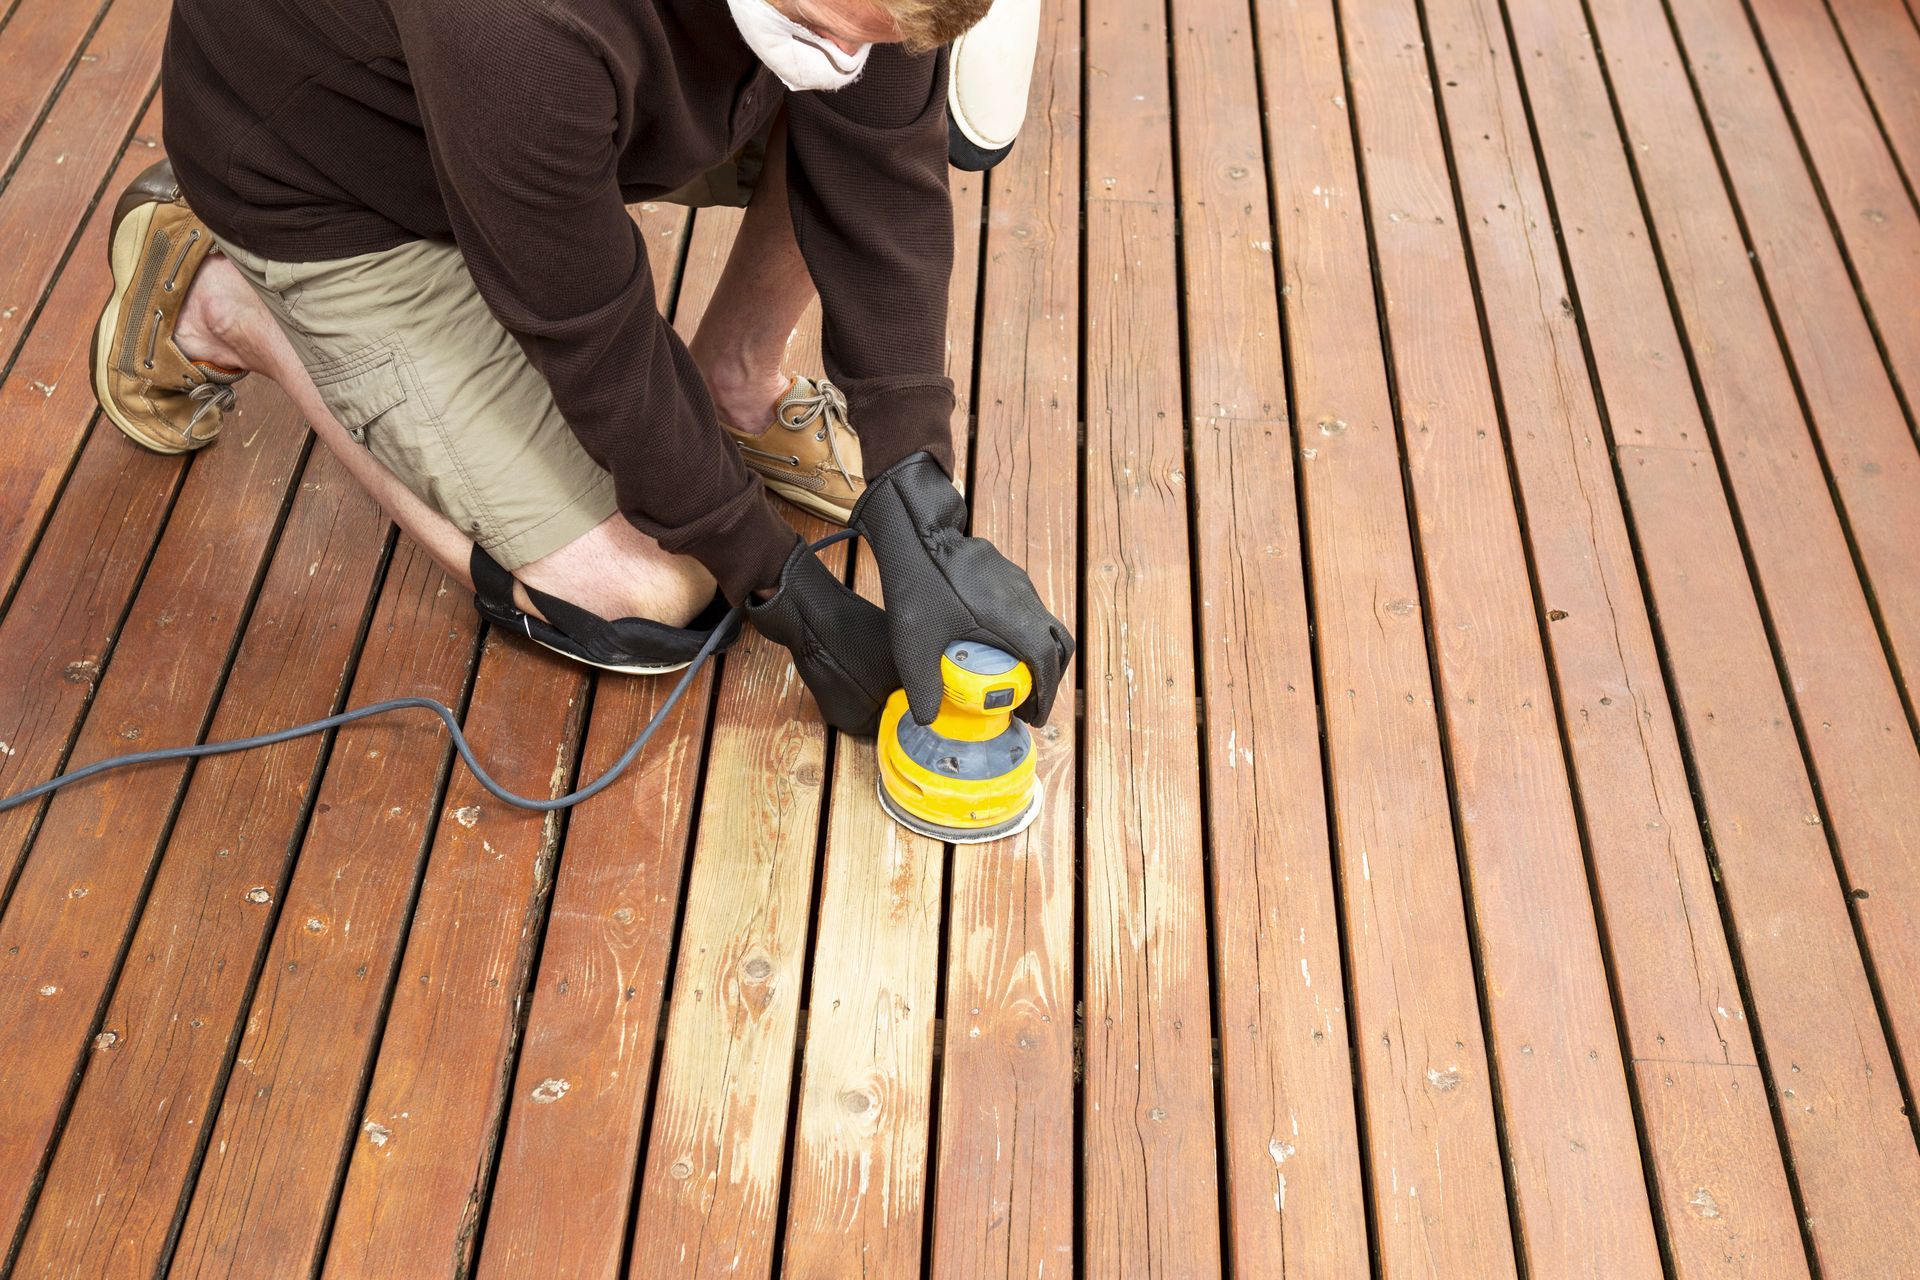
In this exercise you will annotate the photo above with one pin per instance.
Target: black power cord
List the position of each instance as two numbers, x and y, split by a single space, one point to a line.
438 708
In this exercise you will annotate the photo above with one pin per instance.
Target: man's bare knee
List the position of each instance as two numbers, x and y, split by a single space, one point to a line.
616 571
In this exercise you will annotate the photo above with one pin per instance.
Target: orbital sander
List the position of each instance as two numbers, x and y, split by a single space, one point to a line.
968 777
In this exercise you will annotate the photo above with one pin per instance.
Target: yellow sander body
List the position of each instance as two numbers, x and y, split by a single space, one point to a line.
969 776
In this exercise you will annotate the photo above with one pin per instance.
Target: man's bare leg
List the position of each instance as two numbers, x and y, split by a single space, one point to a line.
741 345
613 570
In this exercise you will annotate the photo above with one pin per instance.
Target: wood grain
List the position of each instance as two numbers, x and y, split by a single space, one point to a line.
1862 749
1149 1155
149 1086
710 1186
288 1118
1883 43
40 40
1819 1026
1579 1192
60 631
1005 1168
47 398
857 1193
1291 1146
1439 1198
1873 208
416 1184
58 179
578 1108
1718 1177
83 883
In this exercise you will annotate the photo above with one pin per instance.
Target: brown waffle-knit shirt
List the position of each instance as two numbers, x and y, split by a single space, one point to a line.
306 130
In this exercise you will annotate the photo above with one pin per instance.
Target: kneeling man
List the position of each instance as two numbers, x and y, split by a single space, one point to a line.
412 216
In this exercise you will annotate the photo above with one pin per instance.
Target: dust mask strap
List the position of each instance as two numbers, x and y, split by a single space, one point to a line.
801 58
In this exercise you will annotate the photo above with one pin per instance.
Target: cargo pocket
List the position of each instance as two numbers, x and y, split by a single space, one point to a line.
362 389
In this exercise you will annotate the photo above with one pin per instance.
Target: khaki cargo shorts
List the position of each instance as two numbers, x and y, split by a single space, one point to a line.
412 363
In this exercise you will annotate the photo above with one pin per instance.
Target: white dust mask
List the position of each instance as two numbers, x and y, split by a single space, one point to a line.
801 58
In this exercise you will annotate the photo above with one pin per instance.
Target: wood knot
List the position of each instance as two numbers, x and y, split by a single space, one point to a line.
758 969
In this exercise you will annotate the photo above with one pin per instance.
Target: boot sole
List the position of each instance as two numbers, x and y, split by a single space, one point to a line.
132 221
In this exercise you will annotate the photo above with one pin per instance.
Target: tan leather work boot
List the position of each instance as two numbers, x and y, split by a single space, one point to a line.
809 455
144 382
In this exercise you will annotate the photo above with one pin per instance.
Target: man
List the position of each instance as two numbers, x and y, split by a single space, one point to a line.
411 215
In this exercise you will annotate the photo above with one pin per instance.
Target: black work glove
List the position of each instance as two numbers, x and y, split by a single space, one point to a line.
838 641
941 586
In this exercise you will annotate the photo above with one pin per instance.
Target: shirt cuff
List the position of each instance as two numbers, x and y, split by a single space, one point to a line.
896 417
744 544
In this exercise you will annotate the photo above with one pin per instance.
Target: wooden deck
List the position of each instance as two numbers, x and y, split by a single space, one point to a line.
1476 440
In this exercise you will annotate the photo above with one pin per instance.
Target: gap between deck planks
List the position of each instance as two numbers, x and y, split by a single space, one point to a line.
1005 1177
1162 322
1785 905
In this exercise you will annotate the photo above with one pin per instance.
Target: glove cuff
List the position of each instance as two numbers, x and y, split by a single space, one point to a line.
916 471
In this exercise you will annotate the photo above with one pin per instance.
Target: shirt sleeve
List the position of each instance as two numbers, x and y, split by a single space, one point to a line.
873 216
528 167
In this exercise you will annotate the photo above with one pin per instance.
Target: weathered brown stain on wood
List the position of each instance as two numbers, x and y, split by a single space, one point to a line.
803 1097
1433 1156
1004 1180
1848 1143
1718 1178
207 917
59 950
1289 1138
289 1114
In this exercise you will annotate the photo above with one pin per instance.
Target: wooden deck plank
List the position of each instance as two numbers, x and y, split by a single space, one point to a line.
1865 760
301 1074
40 41
1149 1141
1004 1186
1439 1202
1819 1027
1289 1133
46 398
1579 1192
1710 1140
146 1095
416 1185
1874 209
60 631
710 1183
857 1197
288 1116
1867 449
857 1190
60 950
579 1102
59 177
1883 43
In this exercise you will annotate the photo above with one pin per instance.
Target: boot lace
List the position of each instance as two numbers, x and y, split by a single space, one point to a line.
209 396
827 406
